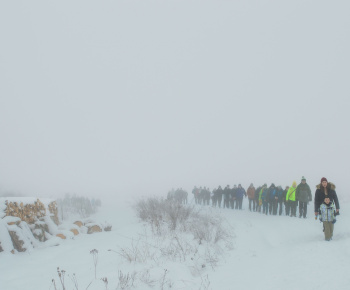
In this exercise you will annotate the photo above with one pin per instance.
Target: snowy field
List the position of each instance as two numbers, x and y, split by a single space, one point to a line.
268 252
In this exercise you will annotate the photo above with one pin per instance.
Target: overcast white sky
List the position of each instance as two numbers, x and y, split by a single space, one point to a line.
119 97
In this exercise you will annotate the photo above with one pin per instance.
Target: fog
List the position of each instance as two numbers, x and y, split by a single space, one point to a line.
125 97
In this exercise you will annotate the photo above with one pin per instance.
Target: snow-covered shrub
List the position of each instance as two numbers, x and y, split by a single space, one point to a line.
179 233
74 206
157 211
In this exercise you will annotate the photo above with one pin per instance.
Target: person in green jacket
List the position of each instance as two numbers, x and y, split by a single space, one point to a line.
261 198
303 196
291 202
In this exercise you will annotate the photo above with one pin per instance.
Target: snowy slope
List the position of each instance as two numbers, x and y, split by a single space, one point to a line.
269 252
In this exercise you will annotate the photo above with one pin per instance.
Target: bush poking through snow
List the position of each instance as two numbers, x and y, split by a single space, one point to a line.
75 206
160 212
94 254
126 281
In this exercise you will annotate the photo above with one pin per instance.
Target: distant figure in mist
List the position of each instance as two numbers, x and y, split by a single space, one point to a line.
280 199
303 196
227 193
291 203
219 192
206 196
271 194
195 192
251 197
284 200
264 199
240 192
257 198
233 196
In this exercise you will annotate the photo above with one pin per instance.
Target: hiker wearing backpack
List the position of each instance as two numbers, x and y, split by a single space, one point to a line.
325 189
327 213
303 196
291 201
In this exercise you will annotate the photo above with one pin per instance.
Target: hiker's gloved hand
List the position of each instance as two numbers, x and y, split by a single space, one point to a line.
334 221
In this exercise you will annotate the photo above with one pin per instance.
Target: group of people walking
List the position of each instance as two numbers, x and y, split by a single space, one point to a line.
271 200
275 200
268 200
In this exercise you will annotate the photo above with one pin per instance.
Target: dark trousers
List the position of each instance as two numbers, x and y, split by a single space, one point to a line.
274 205
226 203
293 207
302 209
219 200
252 201
239 202
288 204
280 205
265 205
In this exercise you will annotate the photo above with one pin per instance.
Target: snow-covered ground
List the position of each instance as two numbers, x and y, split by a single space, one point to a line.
269 252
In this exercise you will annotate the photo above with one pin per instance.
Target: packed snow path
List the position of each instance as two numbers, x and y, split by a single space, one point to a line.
270 252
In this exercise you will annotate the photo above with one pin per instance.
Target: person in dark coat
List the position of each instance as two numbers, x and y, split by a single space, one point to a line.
264 199
214 198
227 195
195 192
219 193
287 207
325 189
303 195
233 196
271 199
240 192
280 199
206 196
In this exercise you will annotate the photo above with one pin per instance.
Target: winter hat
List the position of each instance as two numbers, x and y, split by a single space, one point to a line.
303 178
324 179
294 183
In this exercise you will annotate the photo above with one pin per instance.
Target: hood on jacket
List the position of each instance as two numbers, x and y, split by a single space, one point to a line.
330 185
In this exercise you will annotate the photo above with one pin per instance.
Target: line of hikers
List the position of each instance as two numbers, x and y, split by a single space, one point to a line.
268 200
272 199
